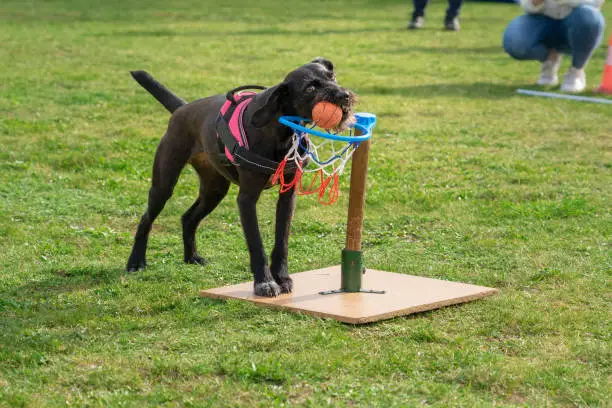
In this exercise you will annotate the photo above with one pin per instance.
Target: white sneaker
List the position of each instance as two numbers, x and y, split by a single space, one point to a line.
452 25
549 70
574 81
416 23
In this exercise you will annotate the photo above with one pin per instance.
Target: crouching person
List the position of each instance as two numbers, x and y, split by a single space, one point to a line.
552 28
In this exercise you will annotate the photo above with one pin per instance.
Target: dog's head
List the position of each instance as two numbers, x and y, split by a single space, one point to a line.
301 90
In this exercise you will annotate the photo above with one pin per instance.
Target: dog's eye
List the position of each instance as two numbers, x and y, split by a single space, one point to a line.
311 88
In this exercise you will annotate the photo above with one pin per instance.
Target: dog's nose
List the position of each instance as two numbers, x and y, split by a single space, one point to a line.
343 96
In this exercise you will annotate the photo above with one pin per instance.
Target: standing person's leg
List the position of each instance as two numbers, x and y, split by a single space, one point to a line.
582 32
451 21
419 8
418 14
535 37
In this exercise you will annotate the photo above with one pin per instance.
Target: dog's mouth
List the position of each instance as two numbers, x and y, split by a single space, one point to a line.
347 105
346 100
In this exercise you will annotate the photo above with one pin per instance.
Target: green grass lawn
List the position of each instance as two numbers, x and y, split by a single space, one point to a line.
467 182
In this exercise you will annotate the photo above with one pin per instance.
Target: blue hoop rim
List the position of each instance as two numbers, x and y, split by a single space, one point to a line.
294 123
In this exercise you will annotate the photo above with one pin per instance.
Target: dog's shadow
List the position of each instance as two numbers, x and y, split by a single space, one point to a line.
65 306
72 279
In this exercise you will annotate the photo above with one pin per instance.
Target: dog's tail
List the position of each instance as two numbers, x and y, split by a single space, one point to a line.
160 92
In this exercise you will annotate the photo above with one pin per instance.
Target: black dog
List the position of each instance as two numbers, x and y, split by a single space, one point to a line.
192 137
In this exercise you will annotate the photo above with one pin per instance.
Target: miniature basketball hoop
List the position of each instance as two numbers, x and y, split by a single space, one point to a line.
328 171
323 156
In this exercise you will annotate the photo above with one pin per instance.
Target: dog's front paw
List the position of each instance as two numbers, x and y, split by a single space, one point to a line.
196 260
281 276
286 284
267 289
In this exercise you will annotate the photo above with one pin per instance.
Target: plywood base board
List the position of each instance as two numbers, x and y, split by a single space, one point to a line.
405 294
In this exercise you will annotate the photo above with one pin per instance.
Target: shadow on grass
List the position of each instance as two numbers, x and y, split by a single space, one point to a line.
65 281
256 32
473 90
81 287
446 50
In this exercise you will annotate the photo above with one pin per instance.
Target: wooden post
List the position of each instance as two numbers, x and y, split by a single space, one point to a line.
352 267
359 172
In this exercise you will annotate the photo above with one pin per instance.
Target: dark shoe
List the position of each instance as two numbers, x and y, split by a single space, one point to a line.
452 25
415 23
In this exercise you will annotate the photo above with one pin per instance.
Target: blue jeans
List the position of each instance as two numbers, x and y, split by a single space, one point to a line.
531 36
453 9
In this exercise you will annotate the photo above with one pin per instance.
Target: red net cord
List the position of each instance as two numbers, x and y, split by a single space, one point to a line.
280 177
319 188
332 193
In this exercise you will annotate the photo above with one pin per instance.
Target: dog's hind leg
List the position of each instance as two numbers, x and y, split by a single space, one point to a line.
213 188
285 208
170 159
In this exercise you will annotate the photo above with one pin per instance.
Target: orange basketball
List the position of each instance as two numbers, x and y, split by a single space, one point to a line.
326 115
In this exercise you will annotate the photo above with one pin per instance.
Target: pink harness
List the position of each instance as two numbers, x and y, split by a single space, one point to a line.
235 123
232 135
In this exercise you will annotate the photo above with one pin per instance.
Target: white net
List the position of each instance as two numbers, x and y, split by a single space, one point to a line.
329 156
324 159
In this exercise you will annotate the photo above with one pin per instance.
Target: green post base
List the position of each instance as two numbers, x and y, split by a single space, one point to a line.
352 269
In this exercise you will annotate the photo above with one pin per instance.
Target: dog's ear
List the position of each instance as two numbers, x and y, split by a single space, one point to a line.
270 105
325 62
